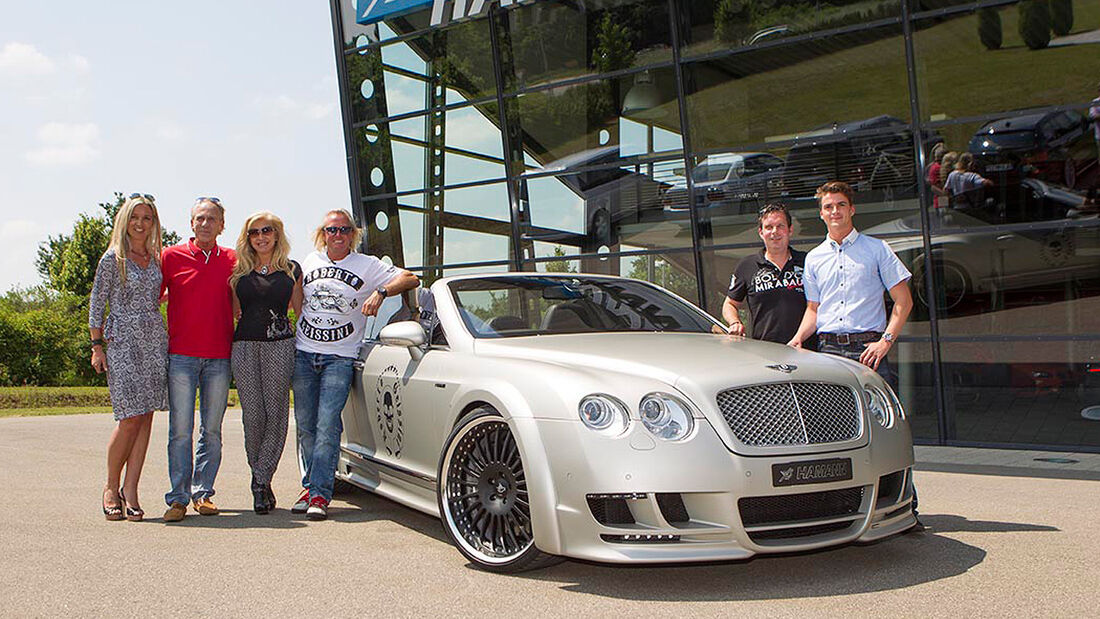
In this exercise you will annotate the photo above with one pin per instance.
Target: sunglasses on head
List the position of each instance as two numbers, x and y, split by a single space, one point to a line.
208 199
266 230
338 229
149 197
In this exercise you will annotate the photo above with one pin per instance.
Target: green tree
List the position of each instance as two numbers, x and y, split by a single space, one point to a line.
613 49
559 266
664 274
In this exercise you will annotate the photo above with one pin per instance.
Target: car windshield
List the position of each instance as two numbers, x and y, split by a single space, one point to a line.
1015 140
513 306
710 172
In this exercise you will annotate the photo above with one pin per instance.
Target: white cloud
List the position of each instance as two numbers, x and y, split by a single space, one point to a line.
65 144
21 59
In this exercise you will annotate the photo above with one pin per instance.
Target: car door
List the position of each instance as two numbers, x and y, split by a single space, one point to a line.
405 401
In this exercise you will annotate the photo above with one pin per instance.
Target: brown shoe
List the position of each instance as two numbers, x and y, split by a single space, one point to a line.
205 506
175 513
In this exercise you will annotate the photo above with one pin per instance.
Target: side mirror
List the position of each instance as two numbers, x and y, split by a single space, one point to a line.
407 334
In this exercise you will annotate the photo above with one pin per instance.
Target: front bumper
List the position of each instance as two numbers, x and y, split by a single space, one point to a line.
635 499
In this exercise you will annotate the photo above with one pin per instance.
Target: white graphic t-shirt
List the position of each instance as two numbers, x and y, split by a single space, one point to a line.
332 321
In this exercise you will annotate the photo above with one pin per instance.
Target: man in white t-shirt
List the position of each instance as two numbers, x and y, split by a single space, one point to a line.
341 288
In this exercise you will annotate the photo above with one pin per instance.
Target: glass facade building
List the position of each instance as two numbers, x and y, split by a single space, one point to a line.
641 137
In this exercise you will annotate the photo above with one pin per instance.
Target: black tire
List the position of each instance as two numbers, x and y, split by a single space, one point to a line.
482 494
955 284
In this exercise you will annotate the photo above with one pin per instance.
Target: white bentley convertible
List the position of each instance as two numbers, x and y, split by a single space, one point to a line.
607 419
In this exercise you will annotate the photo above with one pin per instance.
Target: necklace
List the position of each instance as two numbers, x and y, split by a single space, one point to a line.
264 269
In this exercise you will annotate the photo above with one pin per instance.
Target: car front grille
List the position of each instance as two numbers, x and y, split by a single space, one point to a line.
784 508
796 413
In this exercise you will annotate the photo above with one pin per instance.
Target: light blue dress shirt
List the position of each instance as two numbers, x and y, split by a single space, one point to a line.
848 280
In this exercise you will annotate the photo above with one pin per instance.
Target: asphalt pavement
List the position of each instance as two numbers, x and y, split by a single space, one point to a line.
995 544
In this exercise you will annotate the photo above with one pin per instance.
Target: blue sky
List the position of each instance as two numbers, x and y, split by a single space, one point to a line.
231 99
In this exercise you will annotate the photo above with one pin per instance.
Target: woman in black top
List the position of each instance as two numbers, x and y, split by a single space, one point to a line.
265 284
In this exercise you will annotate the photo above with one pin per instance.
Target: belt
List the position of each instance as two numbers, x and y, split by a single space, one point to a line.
850 338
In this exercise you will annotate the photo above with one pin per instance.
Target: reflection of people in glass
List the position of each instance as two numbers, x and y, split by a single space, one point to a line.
935 180
771 281
964 185
845 277
1094 115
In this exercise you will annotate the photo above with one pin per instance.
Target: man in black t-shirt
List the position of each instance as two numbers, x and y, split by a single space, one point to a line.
771 281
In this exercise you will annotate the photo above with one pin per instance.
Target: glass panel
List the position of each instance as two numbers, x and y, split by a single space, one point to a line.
556 40
801 90
606 207
460 246
1025 391
717 25
456 64
599 122
731 187
399 151
489 201
975 63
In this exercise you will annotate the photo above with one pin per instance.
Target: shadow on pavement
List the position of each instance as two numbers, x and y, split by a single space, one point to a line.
893 563
281 518
368 507
950 523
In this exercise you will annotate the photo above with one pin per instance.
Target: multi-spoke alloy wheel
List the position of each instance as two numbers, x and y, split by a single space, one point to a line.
483 494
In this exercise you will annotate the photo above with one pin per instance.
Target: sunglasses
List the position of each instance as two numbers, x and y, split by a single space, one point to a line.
339 229
208 199
149 197
266 230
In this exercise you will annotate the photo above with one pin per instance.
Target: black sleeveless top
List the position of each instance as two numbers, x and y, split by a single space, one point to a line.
264 299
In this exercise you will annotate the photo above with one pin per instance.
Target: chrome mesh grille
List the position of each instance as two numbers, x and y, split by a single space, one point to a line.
791 414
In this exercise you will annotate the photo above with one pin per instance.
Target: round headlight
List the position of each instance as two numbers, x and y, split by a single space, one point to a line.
604 414
665 416
879 405
895 401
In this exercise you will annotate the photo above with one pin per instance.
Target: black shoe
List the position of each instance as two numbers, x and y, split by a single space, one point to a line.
259 498
270 497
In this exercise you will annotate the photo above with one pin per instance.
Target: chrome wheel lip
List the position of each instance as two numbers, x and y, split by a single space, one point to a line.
445 502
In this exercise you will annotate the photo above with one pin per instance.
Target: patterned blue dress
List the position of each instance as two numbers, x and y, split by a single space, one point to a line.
137 342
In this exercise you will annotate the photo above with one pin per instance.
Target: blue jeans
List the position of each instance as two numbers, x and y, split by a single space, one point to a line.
321 386
853 351
194 478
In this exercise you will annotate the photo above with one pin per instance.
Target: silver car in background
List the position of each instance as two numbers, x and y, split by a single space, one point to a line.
543 416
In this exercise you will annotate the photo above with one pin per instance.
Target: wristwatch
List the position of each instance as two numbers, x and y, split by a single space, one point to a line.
889 337
382 291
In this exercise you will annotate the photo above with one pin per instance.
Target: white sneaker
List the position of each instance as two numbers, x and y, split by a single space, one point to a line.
302 504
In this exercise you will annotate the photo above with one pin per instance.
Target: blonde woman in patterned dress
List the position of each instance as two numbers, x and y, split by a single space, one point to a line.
265 283
131 345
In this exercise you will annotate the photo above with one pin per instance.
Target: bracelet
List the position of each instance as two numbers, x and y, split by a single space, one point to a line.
97 342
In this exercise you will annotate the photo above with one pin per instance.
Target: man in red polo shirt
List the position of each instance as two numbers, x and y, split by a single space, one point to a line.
200 338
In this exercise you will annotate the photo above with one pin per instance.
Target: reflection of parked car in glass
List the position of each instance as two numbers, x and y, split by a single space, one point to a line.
1057 242
871 154
613 195
742 180
1045 145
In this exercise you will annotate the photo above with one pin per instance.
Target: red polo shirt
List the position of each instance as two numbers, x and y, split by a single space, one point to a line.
200 305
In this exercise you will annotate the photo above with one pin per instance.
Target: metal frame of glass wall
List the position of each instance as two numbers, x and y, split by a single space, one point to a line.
892 62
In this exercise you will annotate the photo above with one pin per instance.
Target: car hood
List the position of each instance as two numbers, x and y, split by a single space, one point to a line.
699 364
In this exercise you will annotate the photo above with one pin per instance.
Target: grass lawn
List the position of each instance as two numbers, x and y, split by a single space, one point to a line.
35 401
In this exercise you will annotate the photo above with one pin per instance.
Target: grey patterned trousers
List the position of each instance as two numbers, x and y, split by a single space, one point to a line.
263 371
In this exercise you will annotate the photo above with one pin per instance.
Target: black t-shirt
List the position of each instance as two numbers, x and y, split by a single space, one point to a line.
264 299
776 297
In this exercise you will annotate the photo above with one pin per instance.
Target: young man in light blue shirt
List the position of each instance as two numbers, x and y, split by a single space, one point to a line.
845 278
